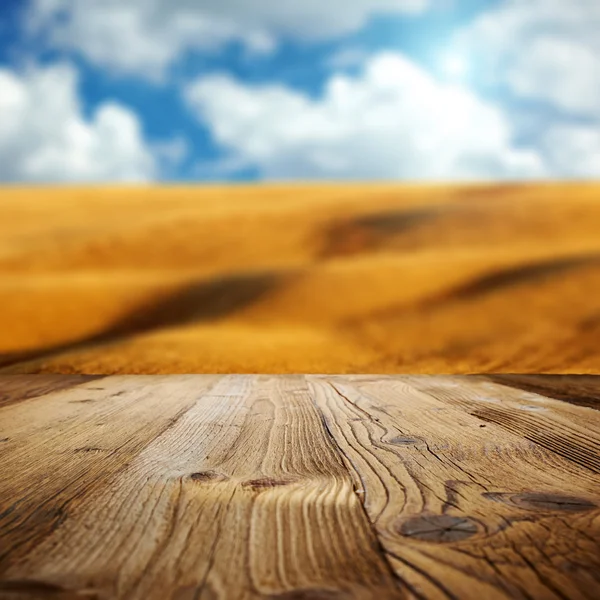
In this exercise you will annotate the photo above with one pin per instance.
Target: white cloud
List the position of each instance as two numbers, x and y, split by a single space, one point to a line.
393 121
173 151
347 57
44 136
542 49
573 150
145 36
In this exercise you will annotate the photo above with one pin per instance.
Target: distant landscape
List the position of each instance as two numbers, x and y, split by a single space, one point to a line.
305 279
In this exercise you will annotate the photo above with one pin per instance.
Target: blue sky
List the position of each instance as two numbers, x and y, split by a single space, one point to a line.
237 90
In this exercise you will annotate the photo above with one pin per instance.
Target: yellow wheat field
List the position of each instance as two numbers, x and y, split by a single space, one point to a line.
301 278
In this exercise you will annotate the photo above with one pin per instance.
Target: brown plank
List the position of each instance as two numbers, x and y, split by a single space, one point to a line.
61 447
15 388
571 432
582 390
464 508
242 495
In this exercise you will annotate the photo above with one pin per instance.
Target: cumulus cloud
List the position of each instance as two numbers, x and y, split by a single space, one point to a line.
145 36
392 121
541 49
347 57
172 151
573 150
44 137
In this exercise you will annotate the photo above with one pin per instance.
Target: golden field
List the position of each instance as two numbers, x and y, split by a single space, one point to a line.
304 278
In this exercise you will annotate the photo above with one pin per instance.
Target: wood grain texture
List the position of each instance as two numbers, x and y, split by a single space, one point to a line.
204 488
270 278
581 390
298 487
16 388
463 507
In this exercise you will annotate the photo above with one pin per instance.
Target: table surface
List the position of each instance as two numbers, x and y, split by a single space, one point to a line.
299 487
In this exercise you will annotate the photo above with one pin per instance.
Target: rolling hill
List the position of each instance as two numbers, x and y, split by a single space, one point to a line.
301 278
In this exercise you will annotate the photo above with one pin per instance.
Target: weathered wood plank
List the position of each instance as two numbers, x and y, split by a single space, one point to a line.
582 390
466 508
15 388
571 432
62 447
242 495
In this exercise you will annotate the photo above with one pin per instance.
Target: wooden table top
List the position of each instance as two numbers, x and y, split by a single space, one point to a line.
299 487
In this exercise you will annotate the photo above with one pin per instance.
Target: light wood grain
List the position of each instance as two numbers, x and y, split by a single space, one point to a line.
240 495
21 387
572 433
297 487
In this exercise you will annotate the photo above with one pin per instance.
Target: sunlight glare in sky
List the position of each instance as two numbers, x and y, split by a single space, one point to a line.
454 66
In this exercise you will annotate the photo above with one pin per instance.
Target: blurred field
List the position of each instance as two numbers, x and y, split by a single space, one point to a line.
328 279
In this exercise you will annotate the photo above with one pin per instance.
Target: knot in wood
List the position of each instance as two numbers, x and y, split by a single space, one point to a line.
438 528
208 477
546 501
542 501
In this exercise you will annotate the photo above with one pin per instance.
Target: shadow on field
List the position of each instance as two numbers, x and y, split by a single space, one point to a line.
194 302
